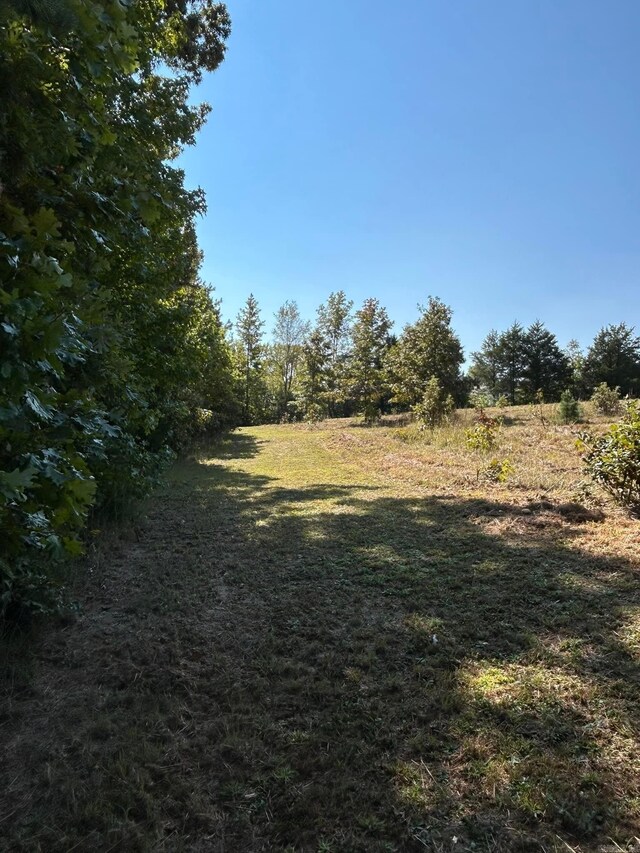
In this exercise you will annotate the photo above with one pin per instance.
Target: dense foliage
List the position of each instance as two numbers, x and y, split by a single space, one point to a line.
613 459
606 401
568 409
112 351
348 363
436 405
614 358
519 363
370 345
427 348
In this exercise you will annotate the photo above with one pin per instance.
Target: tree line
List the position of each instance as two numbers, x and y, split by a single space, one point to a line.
112 350
349 362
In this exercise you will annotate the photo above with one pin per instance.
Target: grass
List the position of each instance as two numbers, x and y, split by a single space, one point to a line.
343 639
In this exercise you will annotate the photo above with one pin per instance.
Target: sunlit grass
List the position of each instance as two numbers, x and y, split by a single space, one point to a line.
344 638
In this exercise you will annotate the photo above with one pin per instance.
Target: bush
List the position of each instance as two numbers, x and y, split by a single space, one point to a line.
498 470
315 413
436 405
481 437
606 401
481 398
502 401
294 411
569 411
484 435
613 459
371 413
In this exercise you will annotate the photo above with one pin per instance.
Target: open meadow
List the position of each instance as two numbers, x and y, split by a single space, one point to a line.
342 638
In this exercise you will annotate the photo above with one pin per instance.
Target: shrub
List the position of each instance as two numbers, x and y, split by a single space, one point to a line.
481 398
502 401
295 410
569 411
606 401
613 459
315 413
436 405
126 473
498 470
371 412
537 407
192 425
483 435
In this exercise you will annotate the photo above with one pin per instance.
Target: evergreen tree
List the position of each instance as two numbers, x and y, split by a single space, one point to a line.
511 355
315 362
614 358
334 323
546 367
370 337
250 353
429 347
569 411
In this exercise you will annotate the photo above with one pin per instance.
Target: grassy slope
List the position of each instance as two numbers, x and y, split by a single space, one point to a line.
340 639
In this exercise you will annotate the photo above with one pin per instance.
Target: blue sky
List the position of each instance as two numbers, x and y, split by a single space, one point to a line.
484 151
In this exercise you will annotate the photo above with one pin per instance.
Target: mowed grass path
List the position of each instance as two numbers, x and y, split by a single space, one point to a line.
328 640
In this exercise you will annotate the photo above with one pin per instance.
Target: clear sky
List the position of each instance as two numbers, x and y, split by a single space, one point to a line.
484 151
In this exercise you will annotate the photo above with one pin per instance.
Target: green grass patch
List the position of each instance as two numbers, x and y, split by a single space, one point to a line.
329 639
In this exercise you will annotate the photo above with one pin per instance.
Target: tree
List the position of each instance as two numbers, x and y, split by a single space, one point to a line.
334 323
511 355
614 358
575 359
250 351
316 355
545 367
429 347
569 411
289 333
434 407
486 365
109 340
370 336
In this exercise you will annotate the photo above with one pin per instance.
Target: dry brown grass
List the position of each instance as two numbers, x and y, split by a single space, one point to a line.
342 638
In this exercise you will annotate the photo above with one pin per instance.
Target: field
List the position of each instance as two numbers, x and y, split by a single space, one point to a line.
341 638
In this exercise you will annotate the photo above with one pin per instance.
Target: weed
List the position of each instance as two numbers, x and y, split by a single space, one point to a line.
498 470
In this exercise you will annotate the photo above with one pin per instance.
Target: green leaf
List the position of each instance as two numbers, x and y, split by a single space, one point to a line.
46 223
42 411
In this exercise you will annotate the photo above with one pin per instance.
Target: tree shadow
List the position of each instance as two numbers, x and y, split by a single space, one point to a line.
400 420
409 612
235 445
349 669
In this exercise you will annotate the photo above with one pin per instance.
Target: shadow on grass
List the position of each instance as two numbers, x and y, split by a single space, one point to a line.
331 668
400 420
235 445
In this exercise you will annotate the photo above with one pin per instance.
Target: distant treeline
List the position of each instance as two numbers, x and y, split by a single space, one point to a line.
347 362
